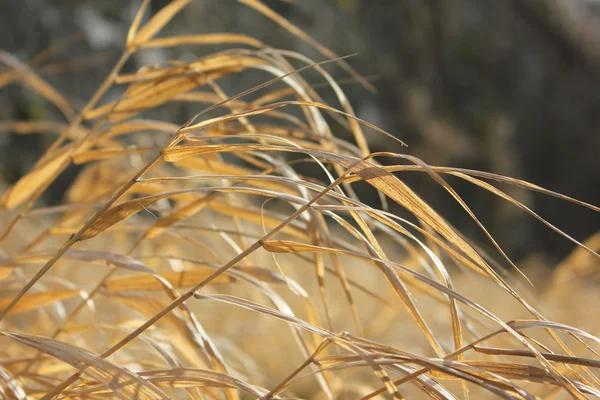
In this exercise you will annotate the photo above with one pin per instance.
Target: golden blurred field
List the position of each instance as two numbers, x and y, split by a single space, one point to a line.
197 259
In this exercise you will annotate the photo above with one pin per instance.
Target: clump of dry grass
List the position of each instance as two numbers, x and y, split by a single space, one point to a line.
197 261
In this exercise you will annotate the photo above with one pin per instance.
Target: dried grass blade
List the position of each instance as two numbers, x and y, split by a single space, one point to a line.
37 178
205 39
158 94
96 155
120 212
135 24
587 362
158 21
404 196
125 384
33 301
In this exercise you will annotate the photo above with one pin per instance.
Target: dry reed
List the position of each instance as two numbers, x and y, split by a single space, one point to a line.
197 261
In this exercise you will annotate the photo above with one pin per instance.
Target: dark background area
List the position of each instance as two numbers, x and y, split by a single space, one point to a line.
509 87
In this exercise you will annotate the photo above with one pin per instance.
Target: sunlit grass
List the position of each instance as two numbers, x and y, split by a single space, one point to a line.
197 259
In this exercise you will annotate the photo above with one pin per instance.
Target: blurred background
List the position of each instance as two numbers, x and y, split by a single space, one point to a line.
509 87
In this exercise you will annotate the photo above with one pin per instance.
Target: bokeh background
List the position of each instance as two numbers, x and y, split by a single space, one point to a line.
510 87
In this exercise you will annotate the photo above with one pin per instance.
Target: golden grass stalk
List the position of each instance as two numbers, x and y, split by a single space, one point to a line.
196 260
